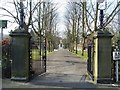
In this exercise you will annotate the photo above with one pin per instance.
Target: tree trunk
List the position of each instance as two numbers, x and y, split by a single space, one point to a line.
83 27
39 28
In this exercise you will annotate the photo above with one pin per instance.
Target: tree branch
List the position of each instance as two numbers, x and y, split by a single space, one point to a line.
16 19
108 20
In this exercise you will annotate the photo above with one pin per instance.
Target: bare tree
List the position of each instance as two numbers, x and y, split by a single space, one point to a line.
17 19
46 17
90 15
73 24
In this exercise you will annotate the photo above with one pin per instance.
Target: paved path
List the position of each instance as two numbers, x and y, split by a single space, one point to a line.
64 70
66 67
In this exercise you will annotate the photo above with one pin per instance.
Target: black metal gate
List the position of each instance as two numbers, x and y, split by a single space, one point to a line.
90 61
38 56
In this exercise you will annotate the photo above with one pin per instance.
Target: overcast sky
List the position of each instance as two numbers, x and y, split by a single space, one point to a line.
61 4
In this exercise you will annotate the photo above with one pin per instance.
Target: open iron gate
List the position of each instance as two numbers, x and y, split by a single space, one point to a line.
90 61
38 56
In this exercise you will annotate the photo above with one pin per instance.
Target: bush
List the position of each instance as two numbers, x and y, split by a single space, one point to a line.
6 64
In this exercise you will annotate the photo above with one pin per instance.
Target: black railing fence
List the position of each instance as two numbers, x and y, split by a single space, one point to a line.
90 61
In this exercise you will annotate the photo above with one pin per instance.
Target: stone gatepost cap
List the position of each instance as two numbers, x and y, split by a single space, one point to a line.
19 33
102 33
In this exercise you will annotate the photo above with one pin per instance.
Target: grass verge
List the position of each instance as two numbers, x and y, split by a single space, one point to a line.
36 54
79 54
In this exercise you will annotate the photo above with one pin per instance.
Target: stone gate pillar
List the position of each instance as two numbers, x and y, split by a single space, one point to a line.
102 56
20 55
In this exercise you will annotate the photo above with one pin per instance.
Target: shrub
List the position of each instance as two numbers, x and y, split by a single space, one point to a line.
6 64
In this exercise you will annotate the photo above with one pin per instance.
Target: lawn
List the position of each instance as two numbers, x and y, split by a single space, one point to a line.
36 55
85 56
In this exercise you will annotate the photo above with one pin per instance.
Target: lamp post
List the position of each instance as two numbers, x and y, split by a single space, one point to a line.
102 7
22 17
102 38
20 50
101 19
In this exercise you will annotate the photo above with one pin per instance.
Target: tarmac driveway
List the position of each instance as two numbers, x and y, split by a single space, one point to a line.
64 70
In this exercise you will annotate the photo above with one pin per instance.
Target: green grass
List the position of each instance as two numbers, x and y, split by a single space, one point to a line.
85 56
36 55
48 53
